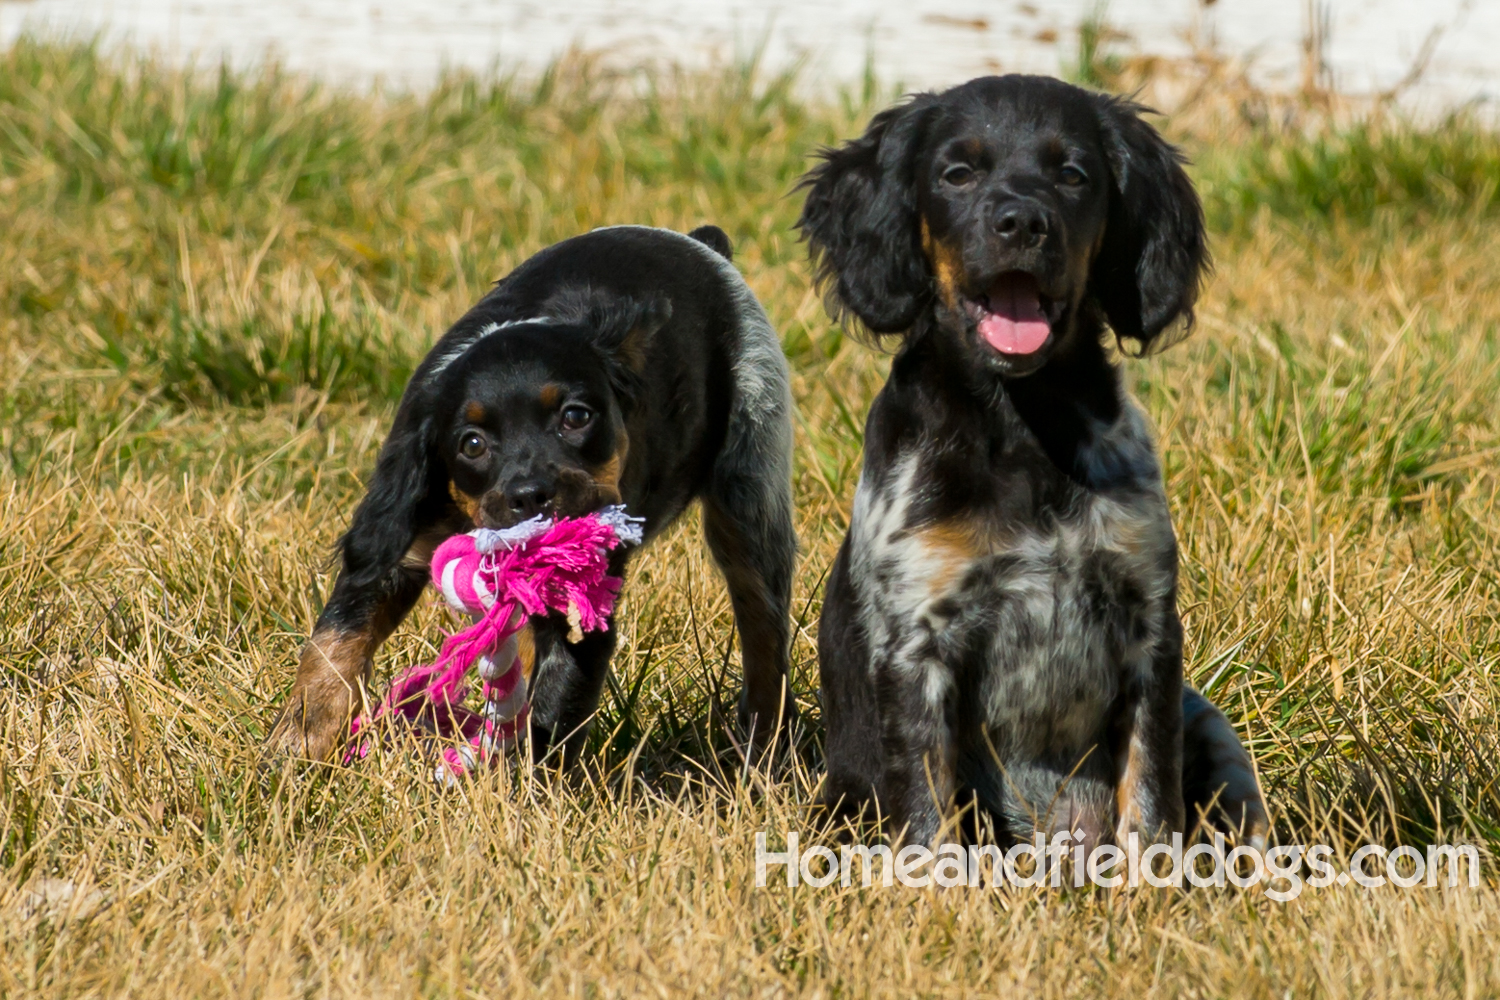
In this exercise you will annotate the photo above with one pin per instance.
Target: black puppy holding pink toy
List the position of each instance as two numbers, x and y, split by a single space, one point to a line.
627 366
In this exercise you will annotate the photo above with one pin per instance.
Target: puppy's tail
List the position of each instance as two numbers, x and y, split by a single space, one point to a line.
715 239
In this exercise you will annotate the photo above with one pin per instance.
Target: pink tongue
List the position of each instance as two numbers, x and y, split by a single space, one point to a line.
1015 324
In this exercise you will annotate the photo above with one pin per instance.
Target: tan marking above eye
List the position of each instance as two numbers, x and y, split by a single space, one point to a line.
550 395
474 413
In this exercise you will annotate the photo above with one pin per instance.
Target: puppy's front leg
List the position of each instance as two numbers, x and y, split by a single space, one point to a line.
565 688
916 714
395 529
1149 784
336 662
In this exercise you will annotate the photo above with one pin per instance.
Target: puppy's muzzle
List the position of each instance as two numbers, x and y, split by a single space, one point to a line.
529 497
519 500
567 493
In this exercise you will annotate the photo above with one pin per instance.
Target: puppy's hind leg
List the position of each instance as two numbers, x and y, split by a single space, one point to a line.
747 521
752 540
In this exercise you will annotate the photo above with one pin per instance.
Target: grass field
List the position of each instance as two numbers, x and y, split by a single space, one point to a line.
212 288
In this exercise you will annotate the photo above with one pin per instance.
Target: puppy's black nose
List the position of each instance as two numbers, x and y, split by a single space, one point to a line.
1021 224
529 498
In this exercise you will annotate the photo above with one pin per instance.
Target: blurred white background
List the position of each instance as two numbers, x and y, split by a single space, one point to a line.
1370 44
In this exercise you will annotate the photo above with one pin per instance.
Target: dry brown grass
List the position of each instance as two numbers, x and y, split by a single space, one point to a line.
1330 438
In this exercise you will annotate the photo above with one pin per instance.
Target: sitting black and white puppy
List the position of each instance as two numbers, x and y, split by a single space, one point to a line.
627 365
1000 626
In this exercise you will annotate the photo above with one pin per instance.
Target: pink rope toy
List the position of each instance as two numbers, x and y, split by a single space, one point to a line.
502 578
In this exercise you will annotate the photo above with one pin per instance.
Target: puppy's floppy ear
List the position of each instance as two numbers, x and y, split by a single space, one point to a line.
1155 253
623 327
861 226
405 495
627 328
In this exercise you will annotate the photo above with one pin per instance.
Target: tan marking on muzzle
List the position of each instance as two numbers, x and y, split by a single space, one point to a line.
947 265
469 505
607 476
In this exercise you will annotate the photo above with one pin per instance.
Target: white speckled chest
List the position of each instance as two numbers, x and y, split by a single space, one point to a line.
1039 623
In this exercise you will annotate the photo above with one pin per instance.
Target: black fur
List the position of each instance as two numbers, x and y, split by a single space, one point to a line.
860 221
861 215
1000 625
627 365
1155 252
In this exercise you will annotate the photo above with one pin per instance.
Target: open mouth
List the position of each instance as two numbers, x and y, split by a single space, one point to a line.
1013 316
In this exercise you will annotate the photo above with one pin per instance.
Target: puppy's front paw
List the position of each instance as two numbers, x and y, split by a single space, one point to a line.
314 722
307 731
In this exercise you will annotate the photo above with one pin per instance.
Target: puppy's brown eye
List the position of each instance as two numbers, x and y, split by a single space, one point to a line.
1072 176
958 175
472 446
576 418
